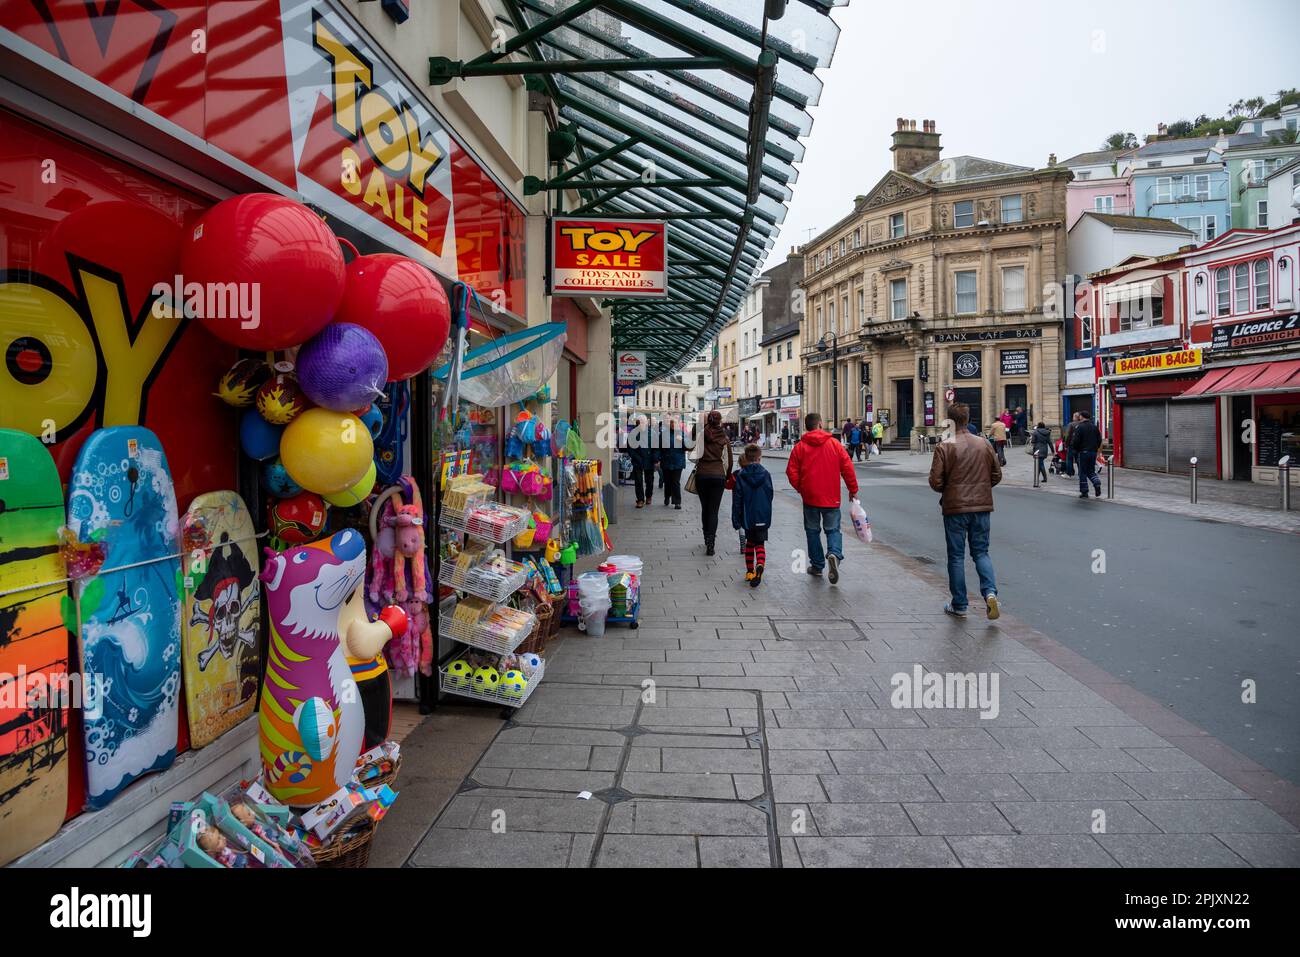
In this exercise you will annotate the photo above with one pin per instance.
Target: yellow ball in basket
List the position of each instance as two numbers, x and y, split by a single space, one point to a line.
513 684
459 673
326 452
487 680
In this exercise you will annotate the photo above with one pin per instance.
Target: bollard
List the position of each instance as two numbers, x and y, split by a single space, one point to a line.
1110 479
1284 474
1037 480
1193 479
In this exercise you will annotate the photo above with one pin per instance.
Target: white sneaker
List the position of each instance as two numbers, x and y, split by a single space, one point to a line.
995 611
832 569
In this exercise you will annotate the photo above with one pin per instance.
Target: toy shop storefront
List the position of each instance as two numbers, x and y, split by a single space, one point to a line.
258 347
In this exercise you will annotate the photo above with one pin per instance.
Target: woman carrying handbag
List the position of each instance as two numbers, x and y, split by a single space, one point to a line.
709 480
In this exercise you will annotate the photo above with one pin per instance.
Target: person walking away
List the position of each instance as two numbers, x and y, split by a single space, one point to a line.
1065 443
1041 438
1086 441
711 475
877 437
817 463
1020 424
672 460
963 472
641 453
998 434
855 440
751 511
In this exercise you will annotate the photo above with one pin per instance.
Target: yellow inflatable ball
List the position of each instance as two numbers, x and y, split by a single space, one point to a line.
326 452
357 493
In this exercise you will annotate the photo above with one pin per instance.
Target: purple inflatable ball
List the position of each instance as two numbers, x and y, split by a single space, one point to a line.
342 368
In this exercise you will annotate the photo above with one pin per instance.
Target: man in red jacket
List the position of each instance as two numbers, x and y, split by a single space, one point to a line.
816 465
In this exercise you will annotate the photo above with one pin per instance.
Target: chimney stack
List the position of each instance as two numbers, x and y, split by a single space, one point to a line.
1051 159
915 150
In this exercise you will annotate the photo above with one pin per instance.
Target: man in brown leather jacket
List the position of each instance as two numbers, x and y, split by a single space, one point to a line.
964 471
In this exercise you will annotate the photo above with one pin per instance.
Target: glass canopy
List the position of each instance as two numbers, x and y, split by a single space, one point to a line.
692 111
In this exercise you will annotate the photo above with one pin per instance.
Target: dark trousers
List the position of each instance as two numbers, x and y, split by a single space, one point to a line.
1069 462
673 486
710 488
1087 471
645 482
1000 446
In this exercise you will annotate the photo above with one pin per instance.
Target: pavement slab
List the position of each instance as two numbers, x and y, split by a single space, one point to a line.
754 728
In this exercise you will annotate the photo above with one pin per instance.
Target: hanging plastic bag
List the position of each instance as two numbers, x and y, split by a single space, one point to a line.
861 524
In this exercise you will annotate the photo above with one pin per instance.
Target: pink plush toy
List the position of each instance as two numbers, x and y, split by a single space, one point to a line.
399 575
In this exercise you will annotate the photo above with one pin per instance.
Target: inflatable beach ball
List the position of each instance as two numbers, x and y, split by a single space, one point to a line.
327 452
459 673
284 262
403 304
530 663
315 721
513 684
486 679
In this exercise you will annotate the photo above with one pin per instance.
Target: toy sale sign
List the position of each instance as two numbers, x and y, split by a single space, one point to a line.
608 257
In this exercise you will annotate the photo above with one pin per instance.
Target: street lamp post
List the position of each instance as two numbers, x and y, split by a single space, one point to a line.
835 375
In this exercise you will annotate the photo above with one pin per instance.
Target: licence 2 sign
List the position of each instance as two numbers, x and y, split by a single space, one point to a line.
609 258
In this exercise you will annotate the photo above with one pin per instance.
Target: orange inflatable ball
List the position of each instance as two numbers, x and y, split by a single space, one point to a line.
285 264
403 304
326 452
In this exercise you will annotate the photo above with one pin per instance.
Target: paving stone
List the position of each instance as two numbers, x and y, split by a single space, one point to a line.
1165 759
1030 850
684 717
823 739
782 761
884 718
680 785
711 699
784 787
1154 785
957 818
859 788
875 852
551 756
735 852
795 820
977 787
1169 850
1214 816
572 781
579 715
1112 737
1265 850
454 847
504 809
717 740
1005 760
703 668
1079 718
765 683
814 718
643 850
1076 786
542 734
944 739
968 718
725 760
1048 738
1075 817
881 762
643 816
861 820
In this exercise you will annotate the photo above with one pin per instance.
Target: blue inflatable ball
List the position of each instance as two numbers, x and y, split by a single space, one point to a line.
277 481
259 439
373 420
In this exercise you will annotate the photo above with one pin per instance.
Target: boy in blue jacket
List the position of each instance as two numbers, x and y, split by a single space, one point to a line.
751 511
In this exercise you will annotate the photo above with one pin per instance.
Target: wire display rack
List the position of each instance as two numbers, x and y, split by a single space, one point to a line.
468 522
465 689
482 581
485 638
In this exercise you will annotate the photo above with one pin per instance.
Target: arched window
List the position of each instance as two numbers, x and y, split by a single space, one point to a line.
1261 284
1241 288
1223 291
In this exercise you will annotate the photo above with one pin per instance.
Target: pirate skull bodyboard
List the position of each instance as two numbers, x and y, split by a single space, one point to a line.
220 647
129 614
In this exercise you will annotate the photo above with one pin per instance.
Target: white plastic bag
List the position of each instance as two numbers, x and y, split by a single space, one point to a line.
861 524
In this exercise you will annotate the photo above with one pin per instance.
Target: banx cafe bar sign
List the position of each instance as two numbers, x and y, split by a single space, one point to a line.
608 257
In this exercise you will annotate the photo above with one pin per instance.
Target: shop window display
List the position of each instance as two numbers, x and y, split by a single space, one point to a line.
1278 424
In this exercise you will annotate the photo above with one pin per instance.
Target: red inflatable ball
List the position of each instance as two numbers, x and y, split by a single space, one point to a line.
286 264
403 305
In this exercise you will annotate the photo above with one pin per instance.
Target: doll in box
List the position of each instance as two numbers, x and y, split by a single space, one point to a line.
214 844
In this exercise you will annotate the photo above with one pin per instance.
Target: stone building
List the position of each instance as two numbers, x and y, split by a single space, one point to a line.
945 276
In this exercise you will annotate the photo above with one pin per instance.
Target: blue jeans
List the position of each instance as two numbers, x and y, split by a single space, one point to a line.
815 520
1087 462
972 526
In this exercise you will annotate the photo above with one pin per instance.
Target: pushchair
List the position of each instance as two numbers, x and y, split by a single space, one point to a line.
1057 465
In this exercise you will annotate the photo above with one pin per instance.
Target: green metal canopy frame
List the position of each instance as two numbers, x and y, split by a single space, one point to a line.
690 111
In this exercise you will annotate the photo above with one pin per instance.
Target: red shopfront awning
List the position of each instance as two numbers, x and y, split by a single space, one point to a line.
1256 377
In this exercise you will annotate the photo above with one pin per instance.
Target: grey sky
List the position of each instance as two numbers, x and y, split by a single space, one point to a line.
1015 80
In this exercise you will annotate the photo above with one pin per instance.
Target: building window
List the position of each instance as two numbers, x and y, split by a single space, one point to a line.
963 214
857 238
789 384
1263 214
1103 204
841 247
1164 189
1085 332
1013 289
1261 283
844 308
699 380
1223 292
862 306
769 355
896 228
817 326
769 386
898 299
1085 174
830 318
1211 227
1205 227
1011 209
967 289
789 349
1241 287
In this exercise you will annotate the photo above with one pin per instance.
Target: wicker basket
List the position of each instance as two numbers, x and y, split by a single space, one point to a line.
387 778
536 642
351 851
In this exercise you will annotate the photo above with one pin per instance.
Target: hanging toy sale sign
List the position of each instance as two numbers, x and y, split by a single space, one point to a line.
609 257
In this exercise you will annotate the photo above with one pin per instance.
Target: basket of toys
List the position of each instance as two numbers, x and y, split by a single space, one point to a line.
352 849
380 765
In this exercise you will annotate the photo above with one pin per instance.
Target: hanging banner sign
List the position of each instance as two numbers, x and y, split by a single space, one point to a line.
609 258
630 366
624 390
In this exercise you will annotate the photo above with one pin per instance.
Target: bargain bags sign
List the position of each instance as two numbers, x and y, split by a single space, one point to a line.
608 257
